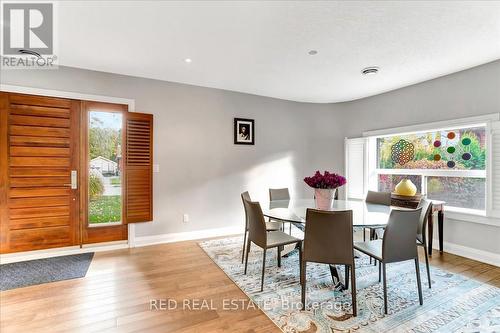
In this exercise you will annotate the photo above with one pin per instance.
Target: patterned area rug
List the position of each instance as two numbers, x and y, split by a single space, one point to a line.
454 304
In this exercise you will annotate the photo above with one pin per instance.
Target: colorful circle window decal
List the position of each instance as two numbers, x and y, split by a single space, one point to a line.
402 152
466 156
452 148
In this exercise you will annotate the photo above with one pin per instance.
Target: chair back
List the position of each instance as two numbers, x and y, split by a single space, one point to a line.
380 198
426 206
256 223
328 237
279 194
245 196
400 233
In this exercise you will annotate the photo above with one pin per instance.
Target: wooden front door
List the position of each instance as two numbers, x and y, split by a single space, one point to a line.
39 151
109 229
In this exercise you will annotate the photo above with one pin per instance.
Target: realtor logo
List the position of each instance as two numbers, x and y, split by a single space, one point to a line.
28 35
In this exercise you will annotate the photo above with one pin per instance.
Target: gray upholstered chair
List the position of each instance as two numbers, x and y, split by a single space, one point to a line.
270 226
258 235
397 245
281 194
378 198
328 239
426 206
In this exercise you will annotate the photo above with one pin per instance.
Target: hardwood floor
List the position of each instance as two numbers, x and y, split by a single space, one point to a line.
115 295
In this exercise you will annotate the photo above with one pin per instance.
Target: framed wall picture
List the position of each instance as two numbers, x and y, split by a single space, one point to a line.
244 131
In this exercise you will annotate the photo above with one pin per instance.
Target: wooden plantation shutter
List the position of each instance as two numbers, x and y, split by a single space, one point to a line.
493 180
139 167
355 168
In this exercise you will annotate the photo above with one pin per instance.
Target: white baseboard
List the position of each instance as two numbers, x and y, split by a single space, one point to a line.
62 251
184 236
460 250
469 252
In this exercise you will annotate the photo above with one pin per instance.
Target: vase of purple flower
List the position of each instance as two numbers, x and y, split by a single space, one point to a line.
325 186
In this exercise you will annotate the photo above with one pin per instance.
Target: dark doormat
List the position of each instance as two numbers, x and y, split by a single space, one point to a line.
28 273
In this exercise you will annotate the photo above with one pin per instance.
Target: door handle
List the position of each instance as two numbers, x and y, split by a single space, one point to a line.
74 180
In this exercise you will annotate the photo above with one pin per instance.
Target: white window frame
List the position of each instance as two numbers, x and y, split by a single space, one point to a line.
480 121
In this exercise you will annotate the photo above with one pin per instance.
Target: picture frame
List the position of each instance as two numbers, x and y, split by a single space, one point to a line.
244 131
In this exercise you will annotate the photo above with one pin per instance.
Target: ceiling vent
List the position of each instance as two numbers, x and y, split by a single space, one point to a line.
370 71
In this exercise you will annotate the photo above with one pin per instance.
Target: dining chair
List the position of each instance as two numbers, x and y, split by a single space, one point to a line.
426 206
398 244
258 235
328 239
378 198
280 194
270 225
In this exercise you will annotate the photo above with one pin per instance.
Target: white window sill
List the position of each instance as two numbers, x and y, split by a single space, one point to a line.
469 215
466 211
106 224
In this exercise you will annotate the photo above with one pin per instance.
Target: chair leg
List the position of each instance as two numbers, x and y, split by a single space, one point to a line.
249 243
419 283
346 279
373 238
364 234
369 238
263 269
379 272
279 255
335 274
290 228
300 266
303 291
244 246
353 290
385 287
427 266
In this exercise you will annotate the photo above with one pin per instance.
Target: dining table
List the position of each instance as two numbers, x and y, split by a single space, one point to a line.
364 215
294 211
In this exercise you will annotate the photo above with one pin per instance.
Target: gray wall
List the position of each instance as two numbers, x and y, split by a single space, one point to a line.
464 94
202 172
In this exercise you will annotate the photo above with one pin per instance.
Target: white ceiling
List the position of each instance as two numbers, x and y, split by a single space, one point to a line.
262 47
